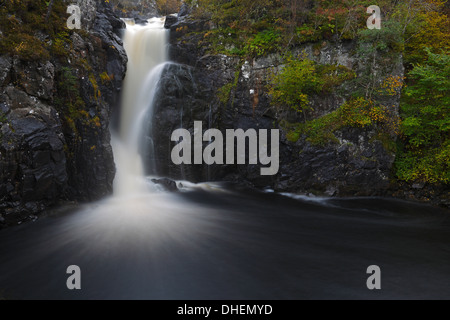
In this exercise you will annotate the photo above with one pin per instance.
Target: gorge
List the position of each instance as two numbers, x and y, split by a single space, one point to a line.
87 154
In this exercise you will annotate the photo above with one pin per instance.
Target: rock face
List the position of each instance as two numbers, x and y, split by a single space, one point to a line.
50 151
358 164
139 11
167 184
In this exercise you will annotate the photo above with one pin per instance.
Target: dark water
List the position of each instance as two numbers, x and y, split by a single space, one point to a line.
231 244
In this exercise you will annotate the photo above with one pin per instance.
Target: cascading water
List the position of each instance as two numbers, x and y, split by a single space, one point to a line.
146 47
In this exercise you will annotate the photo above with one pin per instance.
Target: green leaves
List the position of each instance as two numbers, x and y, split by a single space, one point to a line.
264 42
295 83
426 124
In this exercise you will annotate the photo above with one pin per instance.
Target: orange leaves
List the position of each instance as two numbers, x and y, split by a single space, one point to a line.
392 85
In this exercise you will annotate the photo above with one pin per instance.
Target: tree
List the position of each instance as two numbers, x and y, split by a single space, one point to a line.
295 83
426 122
425 24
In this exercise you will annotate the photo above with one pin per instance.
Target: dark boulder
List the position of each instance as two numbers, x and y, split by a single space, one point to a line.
184 10
170 21
167 184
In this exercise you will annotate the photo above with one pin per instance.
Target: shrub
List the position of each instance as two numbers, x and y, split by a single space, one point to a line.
293 85
166 7
264 42
356 113
426 122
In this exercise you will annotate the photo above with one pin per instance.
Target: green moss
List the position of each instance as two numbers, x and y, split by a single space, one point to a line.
307 33
105 77
95 87
61 44
83 64
432 166
386 140
252 28
25 46
293 136
356 113
68 100
321 131
332 75
226 92
3 118
21 21
67 84
18 22
264 42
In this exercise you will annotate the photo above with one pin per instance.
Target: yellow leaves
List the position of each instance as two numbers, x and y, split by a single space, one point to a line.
96 122
84 113
183 29
430 29
20 47
392 86
97 93
434 31
363 113
356 113
105 77
303 99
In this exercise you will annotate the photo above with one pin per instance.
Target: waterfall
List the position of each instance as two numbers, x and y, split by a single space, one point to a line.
146 47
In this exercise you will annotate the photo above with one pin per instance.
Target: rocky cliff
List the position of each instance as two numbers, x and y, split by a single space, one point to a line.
356 161
58 89
55 111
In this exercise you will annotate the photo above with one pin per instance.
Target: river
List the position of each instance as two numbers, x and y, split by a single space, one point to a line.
213 241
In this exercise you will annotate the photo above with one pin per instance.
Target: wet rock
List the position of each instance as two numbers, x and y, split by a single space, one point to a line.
331 191
167 184
33 162
78 42
184 10
418 185
4 108
88 9
170 21
35 78
148 10
48 152
5 67
138 19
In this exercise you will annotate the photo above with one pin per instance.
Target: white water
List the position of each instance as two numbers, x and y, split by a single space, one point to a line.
137 203
146 47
